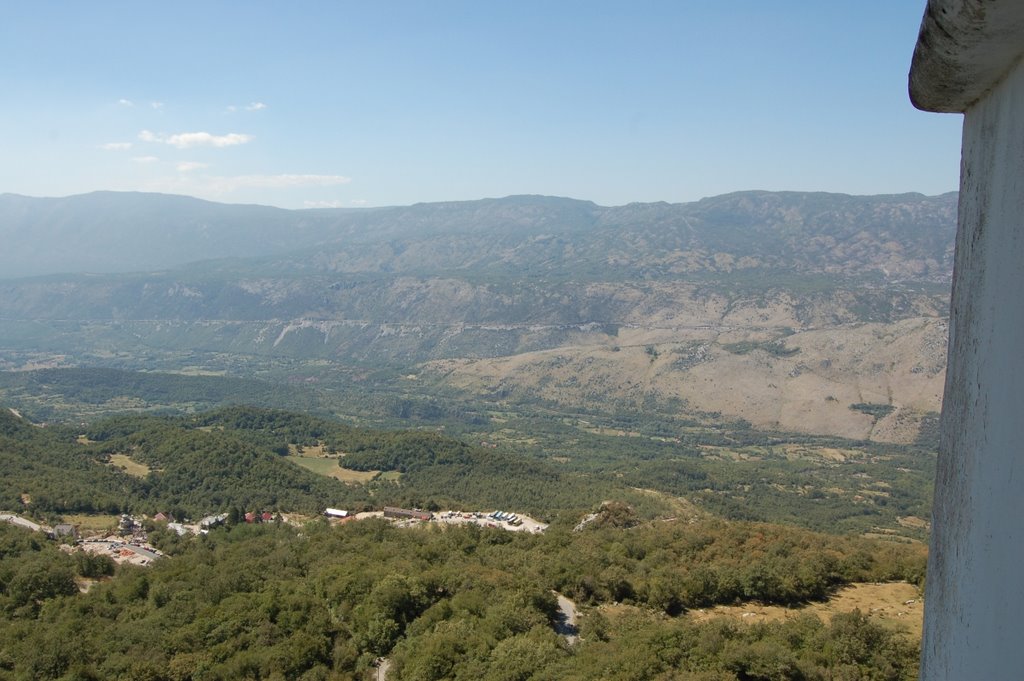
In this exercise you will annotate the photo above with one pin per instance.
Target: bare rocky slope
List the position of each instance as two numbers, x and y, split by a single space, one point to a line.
805 382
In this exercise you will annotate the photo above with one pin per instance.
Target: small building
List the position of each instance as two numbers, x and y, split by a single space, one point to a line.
179 528
127 524
65 530
407 514
213 521
335 513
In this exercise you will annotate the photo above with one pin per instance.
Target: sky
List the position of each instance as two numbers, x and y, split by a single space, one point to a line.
346 104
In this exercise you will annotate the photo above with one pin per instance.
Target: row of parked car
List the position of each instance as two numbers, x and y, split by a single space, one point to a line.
510 518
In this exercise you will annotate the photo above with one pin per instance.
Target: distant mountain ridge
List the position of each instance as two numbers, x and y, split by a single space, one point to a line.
501 275
893 237
108 232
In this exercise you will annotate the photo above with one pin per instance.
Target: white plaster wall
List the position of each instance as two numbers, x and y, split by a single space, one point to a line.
974 607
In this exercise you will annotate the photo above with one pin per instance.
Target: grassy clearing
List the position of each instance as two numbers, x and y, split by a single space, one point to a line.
679 507
914 522
129 466
895 605
331 469
93 523
314 452
838 455
615 432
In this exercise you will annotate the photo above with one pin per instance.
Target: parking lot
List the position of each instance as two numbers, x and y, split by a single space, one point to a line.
526 523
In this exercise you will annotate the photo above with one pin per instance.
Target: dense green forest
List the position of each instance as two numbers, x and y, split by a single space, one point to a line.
557 461
234 458
271 602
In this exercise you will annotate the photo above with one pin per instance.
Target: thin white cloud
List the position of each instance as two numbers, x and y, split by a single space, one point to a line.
145 159
126 102
323 204
187 140
184 140
116 146
251 106
358 202
188 166
157 105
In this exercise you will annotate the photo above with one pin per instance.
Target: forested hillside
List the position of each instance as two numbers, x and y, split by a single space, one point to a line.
267 602
443 602
238 458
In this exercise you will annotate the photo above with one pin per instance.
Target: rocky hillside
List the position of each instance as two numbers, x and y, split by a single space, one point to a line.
885 238
861 381
491 292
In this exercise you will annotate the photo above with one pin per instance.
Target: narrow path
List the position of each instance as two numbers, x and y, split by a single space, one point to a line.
565 623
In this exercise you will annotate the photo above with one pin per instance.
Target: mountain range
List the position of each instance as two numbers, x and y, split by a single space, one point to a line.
899 237
818 301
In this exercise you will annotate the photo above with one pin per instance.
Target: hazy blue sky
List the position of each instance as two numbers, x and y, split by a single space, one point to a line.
381 103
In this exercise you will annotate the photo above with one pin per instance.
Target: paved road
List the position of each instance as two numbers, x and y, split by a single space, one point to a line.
22 522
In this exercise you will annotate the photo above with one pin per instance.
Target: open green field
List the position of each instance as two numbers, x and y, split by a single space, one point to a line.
308 451
129 465
329 467
89 524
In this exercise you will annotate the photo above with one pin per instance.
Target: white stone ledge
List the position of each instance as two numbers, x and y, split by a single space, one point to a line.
964 49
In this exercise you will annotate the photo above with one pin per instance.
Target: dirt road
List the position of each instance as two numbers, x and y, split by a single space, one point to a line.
565 623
